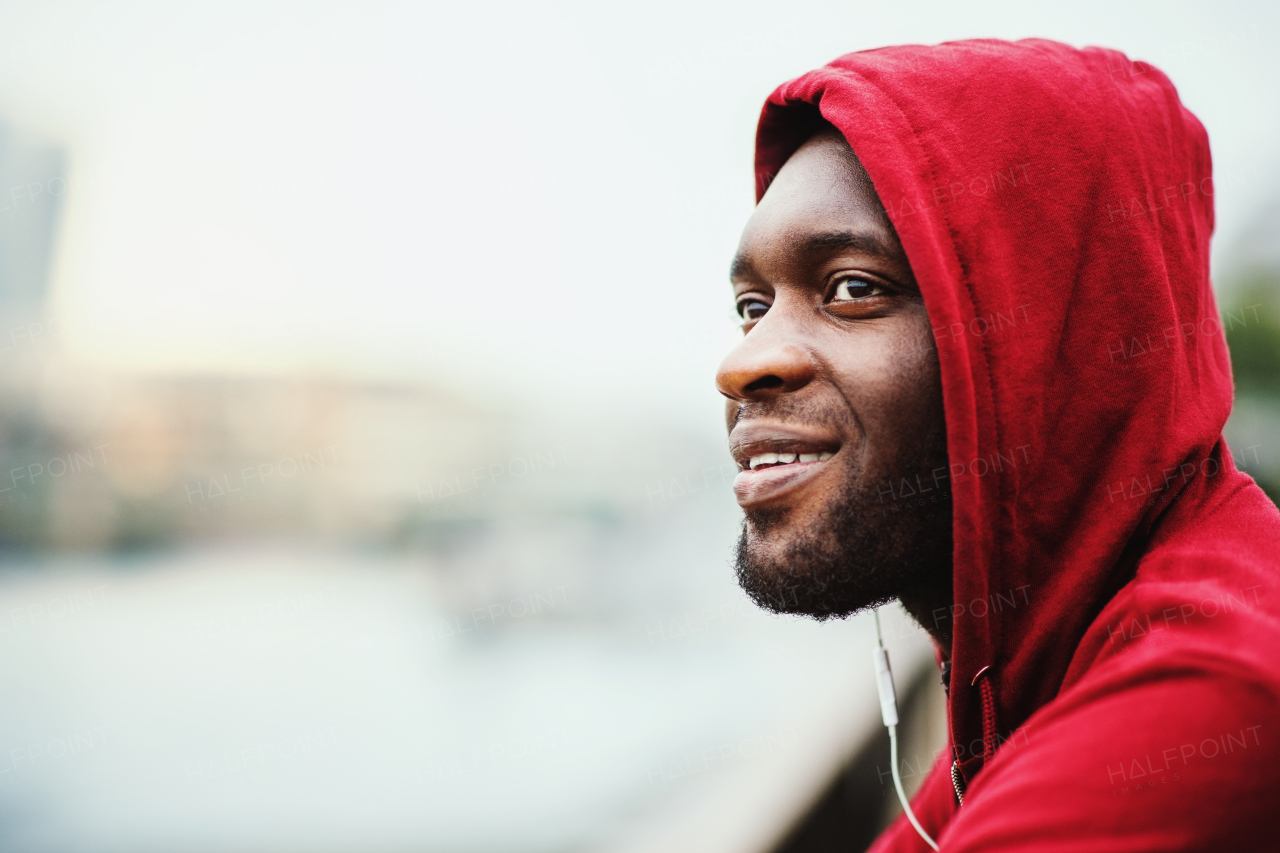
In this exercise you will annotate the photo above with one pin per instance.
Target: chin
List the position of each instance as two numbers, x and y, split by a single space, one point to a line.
851 555
798 577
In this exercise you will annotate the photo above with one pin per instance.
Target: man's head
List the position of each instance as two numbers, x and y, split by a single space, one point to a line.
1058 232
834 399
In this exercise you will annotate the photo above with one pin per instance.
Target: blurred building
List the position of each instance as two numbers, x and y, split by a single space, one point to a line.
33 182
140 461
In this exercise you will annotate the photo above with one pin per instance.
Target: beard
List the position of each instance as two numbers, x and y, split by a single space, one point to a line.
867 549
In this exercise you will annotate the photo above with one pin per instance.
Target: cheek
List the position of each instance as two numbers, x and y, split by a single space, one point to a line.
889 375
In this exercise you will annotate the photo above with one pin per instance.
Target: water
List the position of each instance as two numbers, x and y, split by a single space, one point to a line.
280 699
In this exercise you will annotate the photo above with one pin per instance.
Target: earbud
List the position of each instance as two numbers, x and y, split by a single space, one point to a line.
889 713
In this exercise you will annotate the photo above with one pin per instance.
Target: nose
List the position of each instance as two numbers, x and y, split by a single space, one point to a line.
764 366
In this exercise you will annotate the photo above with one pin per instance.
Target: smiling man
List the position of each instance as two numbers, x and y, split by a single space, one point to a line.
983 372
835 397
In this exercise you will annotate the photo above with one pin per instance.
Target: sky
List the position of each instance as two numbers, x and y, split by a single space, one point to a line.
534 203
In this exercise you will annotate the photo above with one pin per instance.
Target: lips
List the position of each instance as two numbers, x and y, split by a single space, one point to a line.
777 459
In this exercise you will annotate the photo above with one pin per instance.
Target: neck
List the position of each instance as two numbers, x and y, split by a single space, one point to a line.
930 605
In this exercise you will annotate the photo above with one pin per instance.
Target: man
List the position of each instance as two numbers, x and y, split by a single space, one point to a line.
983 372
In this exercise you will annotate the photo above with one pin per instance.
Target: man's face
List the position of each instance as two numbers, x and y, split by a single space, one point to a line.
834 397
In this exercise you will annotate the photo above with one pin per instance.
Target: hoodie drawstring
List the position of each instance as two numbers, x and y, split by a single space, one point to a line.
990 731
990 728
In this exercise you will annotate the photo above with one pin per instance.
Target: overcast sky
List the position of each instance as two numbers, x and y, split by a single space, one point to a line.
535 203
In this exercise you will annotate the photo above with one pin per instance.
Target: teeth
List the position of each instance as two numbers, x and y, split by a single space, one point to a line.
785 458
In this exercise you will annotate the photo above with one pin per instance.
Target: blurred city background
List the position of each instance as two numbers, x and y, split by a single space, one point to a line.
364 484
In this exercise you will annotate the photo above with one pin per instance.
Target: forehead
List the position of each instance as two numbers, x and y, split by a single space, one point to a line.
820 188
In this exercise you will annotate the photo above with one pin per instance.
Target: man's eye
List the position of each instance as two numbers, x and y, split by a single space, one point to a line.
752 309
856 288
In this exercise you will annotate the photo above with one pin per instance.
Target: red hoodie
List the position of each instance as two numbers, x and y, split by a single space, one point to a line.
1115 680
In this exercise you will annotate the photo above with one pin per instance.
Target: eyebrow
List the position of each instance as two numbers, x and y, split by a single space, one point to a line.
825 241
867 244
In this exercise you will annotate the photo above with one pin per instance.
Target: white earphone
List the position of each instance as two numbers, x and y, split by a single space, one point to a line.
889 713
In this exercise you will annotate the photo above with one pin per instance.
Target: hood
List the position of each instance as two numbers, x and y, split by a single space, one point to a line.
1056 206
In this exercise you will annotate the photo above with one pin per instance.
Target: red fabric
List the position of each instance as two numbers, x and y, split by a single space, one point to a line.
1113 568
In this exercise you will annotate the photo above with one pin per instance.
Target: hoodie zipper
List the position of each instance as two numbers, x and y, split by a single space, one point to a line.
958 781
